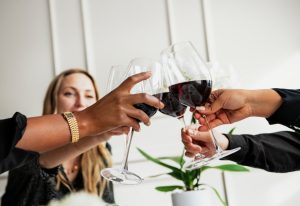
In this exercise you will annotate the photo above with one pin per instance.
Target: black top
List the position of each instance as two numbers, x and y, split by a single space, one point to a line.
11 131
274 152
32 185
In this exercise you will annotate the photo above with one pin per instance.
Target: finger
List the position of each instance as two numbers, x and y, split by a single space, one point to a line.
215 123
129 83
189 154
203 128
193 148
125 130
146 99
201 137
186 139
216 103
197 115
138 114
132 122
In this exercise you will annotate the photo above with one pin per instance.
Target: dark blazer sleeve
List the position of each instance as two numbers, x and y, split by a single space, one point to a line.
274 152
30 185
11 131
288 113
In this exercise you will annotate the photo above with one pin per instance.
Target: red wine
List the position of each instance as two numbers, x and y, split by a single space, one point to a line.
172 105
149 110
192 93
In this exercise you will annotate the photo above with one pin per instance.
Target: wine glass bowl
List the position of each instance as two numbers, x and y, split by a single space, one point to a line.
190 83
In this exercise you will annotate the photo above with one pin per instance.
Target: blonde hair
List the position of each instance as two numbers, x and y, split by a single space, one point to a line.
92 161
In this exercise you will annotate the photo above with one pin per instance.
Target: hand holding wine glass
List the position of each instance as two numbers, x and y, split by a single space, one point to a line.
150 86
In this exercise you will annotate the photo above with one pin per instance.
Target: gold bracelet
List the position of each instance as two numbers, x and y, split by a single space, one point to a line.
73 126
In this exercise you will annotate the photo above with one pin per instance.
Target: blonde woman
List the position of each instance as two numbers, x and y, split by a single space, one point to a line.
57 172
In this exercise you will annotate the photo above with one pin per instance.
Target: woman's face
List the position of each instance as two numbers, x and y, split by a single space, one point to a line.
75 93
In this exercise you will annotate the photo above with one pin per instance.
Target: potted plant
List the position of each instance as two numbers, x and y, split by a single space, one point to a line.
193 189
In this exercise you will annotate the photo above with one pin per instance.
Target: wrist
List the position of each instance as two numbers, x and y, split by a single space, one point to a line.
264 102
82 122
224 142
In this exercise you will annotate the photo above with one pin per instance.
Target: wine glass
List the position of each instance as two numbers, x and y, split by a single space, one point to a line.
172 106
150 86
117 75
190 83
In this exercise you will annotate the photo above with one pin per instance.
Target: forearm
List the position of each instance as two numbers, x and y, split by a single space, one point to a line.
57 156
274 152
263 102
45 133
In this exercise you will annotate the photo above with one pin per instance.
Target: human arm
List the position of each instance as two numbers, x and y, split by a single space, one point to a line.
288 113
231 105
274 152
112 111
57 156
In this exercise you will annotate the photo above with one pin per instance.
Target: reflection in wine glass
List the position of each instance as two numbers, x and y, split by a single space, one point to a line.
151 86
190 82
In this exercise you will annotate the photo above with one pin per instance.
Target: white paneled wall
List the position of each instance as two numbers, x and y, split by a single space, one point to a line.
261 39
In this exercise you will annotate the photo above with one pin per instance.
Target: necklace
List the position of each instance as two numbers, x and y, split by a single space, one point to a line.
72 167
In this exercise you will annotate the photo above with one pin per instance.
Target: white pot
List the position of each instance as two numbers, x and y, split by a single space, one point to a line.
192 198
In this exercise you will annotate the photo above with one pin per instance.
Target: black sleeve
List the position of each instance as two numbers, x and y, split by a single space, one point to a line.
288 113
30 185
274 152
11 131
17 158
108 193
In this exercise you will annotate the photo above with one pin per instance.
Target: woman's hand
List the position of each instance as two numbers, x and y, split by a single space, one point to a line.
196 141
116 109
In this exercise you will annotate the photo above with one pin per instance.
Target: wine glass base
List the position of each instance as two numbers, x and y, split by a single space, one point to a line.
196 164
121 176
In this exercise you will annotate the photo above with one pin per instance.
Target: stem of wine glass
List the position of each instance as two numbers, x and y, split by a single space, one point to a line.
215 142
127 148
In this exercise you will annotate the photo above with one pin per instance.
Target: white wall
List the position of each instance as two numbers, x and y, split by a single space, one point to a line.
261 39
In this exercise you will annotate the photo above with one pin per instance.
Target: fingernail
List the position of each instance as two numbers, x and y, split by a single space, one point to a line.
148 123
201 108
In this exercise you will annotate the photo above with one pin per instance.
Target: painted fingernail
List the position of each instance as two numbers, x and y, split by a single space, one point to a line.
201 108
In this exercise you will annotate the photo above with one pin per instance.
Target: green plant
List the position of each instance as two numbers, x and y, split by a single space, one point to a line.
190 179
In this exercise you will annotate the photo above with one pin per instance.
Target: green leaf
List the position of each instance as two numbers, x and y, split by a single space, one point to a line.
176 159
218 195
231 131
228 167
169 188
193 120
176 175
157 161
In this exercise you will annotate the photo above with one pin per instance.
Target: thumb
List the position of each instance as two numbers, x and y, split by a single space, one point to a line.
210 108
131 81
